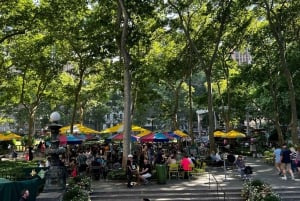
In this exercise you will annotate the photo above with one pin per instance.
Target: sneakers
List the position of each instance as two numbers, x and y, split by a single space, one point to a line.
146 182
283 178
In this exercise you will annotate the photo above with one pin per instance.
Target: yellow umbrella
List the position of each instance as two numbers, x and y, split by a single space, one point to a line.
120 128
78 128
144 133
10 136
181 134
234 134
2 137
219 134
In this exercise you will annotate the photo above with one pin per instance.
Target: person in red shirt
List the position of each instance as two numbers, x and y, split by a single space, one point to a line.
186 165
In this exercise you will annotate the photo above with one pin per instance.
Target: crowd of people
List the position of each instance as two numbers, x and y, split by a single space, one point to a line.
287 160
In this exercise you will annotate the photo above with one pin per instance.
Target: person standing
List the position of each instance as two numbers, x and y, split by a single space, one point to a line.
286 162
30 153
24 195
277 157
81 162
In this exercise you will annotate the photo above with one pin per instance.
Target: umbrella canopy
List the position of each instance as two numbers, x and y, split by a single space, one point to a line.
78 128
120 136
10 136
120 128
155 137
69 139
234 134
180 134
144 133
219 134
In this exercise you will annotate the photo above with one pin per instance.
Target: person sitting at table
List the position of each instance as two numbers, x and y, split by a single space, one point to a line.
186 165
171 160
216 159
146 172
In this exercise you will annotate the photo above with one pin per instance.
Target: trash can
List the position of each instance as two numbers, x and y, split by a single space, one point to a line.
161 172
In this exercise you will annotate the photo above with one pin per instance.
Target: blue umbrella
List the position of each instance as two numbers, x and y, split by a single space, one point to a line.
69 139
155 137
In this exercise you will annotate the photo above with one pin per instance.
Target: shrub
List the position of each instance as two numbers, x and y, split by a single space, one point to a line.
75 193
259 191
119 174
78 189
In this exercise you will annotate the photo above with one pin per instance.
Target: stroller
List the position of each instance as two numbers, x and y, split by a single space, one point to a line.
248 172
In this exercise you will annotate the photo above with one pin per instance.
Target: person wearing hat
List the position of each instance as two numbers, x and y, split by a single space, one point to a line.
131 169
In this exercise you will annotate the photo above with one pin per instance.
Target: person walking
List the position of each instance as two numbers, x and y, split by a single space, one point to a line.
277 157
286 162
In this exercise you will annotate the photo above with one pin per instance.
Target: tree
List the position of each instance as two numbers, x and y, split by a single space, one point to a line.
282 17
204 25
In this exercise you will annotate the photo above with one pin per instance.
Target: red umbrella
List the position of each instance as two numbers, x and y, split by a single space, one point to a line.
119 137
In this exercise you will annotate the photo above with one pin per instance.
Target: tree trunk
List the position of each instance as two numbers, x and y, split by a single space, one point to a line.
127 81
210 112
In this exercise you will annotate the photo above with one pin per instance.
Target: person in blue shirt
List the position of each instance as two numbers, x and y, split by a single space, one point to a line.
276 153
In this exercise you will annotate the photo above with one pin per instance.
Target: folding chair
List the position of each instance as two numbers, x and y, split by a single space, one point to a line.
174 170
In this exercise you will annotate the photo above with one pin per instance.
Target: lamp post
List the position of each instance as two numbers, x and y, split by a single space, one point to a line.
56 175
54 128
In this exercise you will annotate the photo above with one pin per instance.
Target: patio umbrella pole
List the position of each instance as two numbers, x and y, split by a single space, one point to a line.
225 170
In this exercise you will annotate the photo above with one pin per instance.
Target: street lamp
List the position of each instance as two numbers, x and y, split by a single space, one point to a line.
54 128
59 180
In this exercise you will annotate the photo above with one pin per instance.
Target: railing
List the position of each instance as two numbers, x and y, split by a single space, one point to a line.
219 187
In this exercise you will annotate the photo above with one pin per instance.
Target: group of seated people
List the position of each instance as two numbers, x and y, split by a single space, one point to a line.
144 172
142 175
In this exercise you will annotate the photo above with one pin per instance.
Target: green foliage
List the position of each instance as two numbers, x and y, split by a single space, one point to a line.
17 170
116 175
75 193
78 189
259 191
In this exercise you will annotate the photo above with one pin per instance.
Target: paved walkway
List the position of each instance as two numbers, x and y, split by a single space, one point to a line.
261 170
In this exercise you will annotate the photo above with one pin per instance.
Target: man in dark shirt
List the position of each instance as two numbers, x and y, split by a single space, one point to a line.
146 172
286 162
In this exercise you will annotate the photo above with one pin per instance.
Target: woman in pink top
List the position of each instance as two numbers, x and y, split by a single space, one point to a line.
186 163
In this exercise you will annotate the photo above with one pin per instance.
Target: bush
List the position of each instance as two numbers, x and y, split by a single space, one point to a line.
78 189
119 174
75 193
259 191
